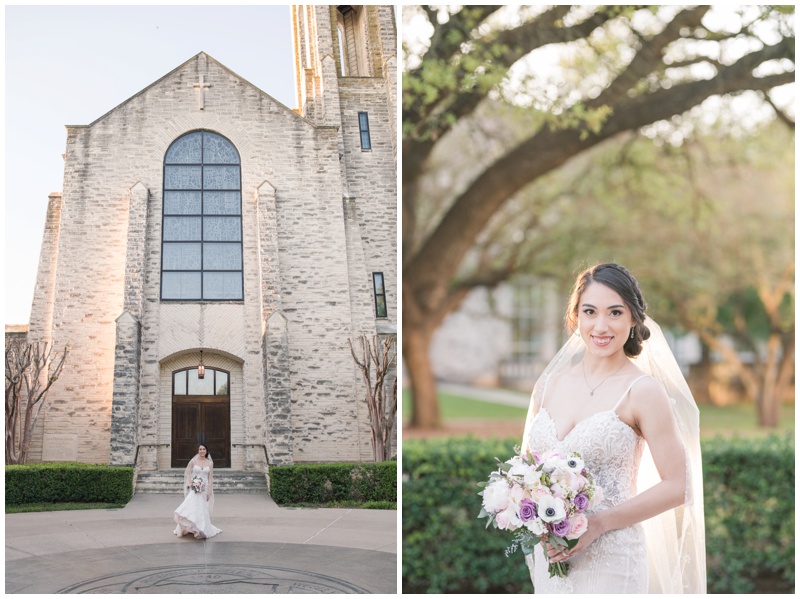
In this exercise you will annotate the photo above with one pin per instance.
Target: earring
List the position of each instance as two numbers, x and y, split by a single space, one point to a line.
632 330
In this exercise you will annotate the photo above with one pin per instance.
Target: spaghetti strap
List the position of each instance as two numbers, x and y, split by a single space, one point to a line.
614 409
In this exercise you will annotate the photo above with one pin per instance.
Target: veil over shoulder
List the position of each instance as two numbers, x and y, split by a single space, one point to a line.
675 539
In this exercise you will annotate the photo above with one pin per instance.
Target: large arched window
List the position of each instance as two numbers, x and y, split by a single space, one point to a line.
201 256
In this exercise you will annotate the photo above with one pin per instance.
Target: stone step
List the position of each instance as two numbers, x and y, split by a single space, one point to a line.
225 481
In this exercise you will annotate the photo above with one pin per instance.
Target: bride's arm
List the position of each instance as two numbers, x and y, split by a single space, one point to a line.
653 414
210 481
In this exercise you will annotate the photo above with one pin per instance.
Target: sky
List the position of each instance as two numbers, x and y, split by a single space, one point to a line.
69 65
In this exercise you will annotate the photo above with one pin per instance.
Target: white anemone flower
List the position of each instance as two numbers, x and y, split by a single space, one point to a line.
551 509
575 464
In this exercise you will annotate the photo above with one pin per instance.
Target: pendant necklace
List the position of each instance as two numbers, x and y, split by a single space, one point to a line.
592 390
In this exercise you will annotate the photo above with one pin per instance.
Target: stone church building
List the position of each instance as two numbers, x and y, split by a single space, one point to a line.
213 250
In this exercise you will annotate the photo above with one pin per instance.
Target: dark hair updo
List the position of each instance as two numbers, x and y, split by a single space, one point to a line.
619 279
208 453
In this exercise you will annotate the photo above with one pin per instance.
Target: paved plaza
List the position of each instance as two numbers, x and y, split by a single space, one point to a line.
263 548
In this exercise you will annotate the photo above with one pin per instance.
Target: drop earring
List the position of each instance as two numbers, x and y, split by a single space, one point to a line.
632 330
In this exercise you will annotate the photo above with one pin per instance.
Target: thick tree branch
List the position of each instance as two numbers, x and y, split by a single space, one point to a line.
517 43
650 55
439 257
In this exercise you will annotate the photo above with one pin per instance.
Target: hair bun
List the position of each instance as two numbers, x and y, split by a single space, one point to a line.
645 332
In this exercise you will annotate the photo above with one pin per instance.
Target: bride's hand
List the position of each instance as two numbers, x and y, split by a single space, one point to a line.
560 554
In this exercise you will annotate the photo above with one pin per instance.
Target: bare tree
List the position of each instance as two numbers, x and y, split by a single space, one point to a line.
380 353
31 369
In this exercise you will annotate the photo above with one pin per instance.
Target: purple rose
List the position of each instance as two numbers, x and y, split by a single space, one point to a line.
560 529
581 502
527 510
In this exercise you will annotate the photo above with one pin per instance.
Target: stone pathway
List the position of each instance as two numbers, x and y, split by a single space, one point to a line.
262 549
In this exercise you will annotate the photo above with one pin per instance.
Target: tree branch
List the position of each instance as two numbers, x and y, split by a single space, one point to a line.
782 116
439 256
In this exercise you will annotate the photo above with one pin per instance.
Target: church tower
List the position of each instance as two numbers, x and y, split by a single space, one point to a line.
346 77
340 52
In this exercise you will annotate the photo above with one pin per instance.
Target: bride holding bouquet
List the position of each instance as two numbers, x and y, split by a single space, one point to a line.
193 516
615 397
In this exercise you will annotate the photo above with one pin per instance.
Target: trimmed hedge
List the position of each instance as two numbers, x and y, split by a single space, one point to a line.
61 482
324 483
749 506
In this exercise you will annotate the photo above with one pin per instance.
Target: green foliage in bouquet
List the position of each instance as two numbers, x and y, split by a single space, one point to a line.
61 482
327 483
749 507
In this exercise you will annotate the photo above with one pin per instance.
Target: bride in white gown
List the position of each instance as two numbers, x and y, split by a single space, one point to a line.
615 394
194 514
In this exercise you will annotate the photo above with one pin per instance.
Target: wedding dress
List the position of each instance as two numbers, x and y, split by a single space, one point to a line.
194 514
664 554
616 562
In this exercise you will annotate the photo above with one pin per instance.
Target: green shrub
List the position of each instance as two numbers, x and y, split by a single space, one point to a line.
749 508
57 482
325 483
446 549
749 505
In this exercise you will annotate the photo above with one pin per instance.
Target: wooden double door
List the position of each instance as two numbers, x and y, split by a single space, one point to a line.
202 419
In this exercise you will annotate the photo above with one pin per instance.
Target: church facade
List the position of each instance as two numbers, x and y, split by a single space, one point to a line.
213 250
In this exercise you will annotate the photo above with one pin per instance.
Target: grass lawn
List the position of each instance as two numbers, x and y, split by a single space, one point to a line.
739 419
453 406
54 507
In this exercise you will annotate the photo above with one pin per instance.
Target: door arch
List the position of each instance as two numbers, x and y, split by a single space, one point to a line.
201 413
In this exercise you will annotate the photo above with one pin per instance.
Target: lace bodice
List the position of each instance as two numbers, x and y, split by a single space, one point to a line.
610 448
201 472
616 562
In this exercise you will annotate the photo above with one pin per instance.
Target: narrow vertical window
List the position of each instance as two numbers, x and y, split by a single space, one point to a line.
380 295
201 256
363 127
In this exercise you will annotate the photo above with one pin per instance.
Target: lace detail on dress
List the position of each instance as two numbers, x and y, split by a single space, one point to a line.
616 562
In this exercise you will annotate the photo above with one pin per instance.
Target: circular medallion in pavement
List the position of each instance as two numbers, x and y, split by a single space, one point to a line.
223 578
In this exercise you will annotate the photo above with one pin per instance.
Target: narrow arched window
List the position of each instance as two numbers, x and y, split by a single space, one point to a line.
201 256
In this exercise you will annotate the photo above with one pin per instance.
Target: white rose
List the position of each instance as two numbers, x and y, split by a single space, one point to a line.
553 461
536 526
495 496
508 519
551 509
516 461
518 470
532 477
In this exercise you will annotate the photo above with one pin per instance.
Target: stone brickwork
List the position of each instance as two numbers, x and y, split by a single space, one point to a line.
318 217
125 401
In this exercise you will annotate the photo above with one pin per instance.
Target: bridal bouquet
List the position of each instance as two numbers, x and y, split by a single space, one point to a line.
197 485
541 497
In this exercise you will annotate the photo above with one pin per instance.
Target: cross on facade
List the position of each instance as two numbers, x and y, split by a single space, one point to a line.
201 88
